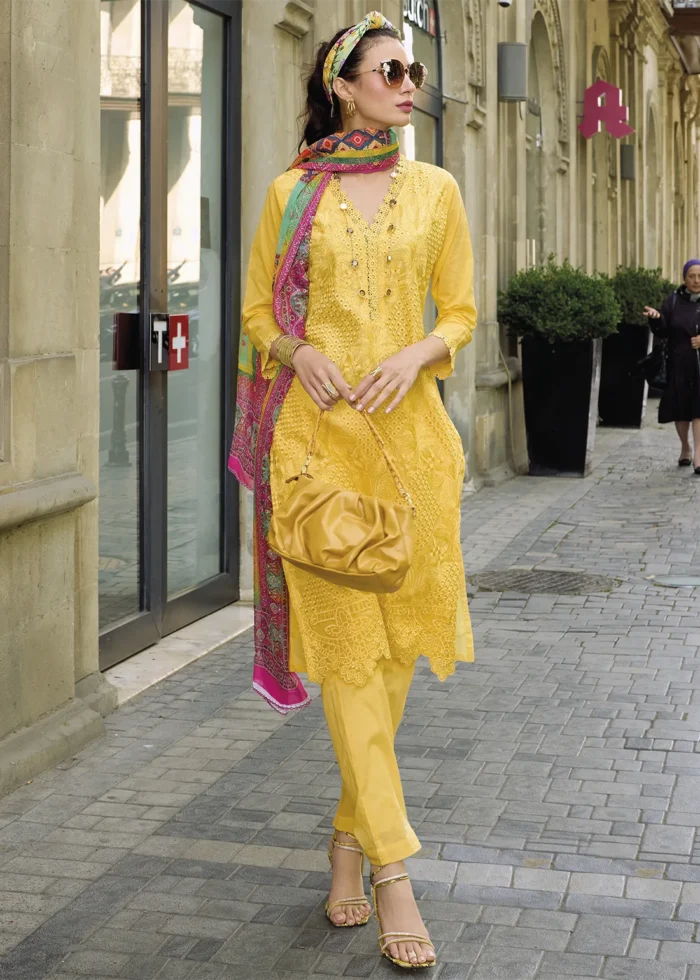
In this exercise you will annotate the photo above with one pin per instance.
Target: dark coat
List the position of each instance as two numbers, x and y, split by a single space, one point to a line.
679 322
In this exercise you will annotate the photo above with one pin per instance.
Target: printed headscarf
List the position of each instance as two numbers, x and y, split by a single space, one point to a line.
343 47
688 264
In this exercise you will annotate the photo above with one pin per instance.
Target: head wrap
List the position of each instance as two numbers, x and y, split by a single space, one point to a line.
341 50
688 265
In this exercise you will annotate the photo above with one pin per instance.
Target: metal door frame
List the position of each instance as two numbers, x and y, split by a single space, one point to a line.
160 616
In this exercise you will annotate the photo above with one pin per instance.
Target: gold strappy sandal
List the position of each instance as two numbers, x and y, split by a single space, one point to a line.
386 939
330 906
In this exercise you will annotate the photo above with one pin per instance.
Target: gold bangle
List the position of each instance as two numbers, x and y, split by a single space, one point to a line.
286 347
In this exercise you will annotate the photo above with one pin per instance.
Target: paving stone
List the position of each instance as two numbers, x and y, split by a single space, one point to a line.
262 944
485 874
677 952
507 961
635 969
521 897
176 946
567 964
204 949
609 935
124 941
619 906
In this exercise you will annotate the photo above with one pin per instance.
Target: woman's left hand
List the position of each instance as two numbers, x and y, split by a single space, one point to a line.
395 376
695 342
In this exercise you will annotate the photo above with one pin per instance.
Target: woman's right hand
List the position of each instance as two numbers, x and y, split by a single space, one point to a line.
651 313
314 370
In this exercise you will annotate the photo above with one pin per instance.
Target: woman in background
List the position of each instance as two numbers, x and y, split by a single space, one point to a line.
678 322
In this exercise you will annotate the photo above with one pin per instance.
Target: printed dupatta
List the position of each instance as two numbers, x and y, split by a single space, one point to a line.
259 401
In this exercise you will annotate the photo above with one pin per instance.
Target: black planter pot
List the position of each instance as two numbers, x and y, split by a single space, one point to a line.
560 389
622 391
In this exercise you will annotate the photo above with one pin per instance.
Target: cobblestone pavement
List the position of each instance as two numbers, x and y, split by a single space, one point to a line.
554 784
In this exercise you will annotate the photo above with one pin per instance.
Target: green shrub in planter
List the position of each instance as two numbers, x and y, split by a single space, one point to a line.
622 396
561 314
559 303
637 288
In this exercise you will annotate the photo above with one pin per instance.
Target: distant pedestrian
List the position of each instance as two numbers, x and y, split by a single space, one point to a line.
349 240
678 322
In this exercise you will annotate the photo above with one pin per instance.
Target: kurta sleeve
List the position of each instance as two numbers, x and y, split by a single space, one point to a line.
453 284
258 319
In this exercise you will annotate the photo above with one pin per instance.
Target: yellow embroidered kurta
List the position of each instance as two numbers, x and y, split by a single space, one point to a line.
366 298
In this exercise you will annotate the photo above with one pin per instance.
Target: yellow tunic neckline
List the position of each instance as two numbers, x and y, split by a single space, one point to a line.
392 194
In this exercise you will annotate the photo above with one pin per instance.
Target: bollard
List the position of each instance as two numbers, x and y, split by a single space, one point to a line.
118 453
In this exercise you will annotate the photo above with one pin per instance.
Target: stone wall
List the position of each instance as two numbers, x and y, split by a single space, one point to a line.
51 696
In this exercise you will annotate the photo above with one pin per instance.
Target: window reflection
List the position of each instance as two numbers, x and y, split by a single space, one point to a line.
195 209
120 193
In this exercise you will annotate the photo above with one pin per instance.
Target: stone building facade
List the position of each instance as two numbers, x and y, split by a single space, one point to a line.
118 522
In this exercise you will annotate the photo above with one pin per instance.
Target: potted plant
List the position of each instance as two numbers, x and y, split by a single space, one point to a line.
622 388
561 314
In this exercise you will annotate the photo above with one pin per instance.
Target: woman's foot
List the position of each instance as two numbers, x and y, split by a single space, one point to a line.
346 883
397 912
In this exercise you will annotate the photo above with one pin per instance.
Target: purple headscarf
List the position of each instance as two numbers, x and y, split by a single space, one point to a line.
688 264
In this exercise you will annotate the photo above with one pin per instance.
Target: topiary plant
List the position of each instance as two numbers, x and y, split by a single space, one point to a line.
637 288
559 303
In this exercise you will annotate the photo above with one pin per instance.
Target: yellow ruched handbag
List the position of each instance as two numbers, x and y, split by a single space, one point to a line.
347 538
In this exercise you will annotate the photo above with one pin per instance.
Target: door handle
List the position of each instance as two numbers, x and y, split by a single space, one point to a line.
159 342
170 342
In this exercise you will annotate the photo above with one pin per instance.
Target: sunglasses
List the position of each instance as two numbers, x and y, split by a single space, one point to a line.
394 72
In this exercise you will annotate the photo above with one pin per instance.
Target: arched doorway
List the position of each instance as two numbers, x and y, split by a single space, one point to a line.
678 246
541 135
651 253
600 176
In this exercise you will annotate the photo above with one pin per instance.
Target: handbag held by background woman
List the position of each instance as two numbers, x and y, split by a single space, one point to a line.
348 538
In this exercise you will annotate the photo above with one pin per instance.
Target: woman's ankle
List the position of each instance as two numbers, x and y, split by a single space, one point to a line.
390 868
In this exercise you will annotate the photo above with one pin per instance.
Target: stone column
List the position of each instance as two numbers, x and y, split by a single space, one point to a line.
51 695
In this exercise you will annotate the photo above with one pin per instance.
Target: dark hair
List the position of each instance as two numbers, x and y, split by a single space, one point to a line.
320 117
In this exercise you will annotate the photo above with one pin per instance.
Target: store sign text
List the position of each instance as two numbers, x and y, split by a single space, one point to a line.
603 105
422 14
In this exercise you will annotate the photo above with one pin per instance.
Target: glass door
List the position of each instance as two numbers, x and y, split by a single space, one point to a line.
168 542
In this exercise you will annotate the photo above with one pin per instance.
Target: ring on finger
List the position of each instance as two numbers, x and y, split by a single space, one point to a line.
330 389
377 373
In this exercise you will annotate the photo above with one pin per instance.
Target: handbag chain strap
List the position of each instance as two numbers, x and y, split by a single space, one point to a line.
311 449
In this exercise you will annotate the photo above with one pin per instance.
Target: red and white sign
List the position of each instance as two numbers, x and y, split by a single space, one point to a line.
603 106
178 341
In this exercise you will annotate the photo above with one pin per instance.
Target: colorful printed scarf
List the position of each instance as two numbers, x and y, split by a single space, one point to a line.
259 401
339 53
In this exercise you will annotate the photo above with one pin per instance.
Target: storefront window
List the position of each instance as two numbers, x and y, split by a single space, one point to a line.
422 41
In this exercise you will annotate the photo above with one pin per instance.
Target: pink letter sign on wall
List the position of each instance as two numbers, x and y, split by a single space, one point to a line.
602 103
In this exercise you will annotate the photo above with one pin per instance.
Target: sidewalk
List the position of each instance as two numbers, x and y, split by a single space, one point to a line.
554 784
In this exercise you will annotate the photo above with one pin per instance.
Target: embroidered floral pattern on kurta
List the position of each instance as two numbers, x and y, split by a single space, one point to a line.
366 299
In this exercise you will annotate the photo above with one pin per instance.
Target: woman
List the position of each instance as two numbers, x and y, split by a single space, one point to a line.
678 322
349 239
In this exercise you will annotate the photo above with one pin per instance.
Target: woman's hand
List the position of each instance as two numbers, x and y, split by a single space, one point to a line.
695 342
651 313
315 370
394 376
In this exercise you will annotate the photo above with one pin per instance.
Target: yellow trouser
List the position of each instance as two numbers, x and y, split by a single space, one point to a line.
363 722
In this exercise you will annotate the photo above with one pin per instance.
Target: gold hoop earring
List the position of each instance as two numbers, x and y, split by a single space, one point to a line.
351 108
